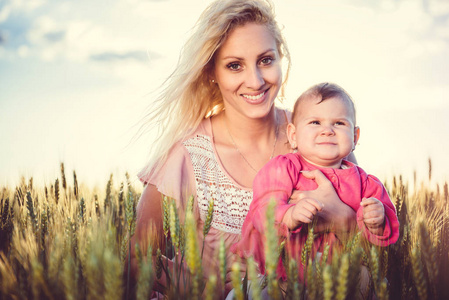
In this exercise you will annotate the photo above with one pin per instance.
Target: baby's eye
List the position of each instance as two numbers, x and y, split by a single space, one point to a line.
315 122
233 66
266 60
340 123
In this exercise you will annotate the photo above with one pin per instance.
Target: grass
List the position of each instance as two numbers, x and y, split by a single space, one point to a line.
61 241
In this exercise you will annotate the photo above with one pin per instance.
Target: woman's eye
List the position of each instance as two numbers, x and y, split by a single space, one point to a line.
266 60
233 66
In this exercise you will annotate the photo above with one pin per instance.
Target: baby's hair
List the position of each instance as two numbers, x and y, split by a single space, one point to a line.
324 91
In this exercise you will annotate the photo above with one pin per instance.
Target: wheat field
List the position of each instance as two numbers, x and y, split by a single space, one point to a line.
64 241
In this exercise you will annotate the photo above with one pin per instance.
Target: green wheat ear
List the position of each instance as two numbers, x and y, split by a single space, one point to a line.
271 251
342 287
190 203
208 221
159 263
313 280
428 252
222 260
146 276
174 225
236 281
307 249
374 265
192 252
293 287
166 211
382 293
252 274
211 285
328 292
418 274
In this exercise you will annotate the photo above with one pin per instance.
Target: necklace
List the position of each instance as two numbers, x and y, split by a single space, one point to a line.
244 158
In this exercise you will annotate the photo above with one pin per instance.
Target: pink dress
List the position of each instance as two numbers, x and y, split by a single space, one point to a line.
280 176
194 168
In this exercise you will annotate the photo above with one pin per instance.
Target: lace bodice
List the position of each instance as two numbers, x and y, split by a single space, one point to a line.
231 202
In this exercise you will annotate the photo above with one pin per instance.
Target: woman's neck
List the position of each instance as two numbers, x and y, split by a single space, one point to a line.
245 145
251 131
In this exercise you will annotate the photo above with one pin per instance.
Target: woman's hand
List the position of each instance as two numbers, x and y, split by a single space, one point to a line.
335 215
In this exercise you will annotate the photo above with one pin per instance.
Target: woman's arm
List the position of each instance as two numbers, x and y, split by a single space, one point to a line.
335 215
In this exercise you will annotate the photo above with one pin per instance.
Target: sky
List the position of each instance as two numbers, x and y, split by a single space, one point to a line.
76 78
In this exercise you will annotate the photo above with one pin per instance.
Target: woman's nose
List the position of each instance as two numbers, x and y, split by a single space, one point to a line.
254 78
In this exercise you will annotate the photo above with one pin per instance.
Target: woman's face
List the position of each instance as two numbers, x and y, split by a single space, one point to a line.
248 71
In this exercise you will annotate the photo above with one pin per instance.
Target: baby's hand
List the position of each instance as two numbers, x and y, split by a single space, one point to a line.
302 212
373 215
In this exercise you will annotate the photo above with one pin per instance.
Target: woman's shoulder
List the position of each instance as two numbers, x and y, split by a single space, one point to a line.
204 128
177 162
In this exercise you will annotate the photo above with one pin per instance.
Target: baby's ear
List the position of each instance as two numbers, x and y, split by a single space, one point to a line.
356 135
291 135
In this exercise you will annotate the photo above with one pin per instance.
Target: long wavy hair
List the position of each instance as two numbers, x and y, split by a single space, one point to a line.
188 96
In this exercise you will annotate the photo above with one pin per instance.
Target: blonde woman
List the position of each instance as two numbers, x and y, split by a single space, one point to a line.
219 125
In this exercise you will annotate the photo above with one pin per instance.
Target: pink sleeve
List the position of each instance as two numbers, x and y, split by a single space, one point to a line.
372 187
175 178
276 180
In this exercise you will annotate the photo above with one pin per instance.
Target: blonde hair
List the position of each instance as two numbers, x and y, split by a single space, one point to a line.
188 96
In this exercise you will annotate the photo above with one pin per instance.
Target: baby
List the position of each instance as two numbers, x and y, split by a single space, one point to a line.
322 133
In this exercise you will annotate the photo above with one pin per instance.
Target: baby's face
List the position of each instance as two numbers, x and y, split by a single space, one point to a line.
324 132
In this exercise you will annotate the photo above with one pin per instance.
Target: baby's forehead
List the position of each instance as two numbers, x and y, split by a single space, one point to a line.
312 100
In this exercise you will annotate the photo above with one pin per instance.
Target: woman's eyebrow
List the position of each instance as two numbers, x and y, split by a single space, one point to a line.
240 58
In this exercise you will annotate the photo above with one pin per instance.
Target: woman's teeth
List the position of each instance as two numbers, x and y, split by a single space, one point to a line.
254 97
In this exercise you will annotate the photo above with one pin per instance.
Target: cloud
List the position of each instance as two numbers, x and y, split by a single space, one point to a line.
131 55
4 13
55 36
50 30
2 37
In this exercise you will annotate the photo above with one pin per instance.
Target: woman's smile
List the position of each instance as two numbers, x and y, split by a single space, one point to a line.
255 99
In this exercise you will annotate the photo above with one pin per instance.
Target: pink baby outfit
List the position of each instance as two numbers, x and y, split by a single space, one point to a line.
193 168
280 176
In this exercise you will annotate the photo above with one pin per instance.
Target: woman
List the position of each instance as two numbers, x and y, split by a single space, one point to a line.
219 126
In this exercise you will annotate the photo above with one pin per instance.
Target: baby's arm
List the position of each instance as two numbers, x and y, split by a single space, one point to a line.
276 180
373 215
301 213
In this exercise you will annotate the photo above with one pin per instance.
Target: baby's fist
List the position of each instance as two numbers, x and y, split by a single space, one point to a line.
373 215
